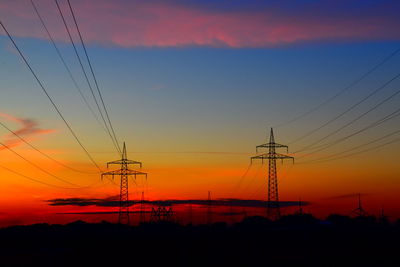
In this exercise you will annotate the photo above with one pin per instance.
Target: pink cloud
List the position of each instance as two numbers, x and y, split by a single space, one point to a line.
28 130
168 24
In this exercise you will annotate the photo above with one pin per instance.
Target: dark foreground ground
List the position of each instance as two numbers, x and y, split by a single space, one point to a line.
297 240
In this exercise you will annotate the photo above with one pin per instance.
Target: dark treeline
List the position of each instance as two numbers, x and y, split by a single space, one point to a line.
294 240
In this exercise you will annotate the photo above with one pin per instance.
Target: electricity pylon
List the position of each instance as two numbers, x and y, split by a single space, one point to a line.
273 207
124 172
359 211
300 211
161 214
383 218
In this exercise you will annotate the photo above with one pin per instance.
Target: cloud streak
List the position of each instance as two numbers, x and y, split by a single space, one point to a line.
28 130
347 196
114 202
203 23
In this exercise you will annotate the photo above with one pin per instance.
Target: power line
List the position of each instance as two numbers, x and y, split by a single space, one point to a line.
41 152
33 179
347 110
358 117
354 83
388 117
94 76
65 64
258 190
37 166
48 184
251 180
240 181
338 155
366 150
85 74
48 96
353 154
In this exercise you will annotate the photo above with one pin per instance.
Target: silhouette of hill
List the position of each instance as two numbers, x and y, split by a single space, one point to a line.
294 240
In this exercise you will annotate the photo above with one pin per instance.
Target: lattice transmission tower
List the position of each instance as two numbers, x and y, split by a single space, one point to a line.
161 214
300 211
360 211
273 206
124 172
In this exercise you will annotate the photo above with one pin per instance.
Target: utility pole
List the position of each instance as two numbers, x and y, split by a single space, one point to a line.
124 172
273 207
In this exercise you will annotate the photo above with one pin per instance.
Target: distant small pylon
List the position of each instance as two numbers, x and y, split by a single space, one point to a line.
300 211
359 211
383 218
161 214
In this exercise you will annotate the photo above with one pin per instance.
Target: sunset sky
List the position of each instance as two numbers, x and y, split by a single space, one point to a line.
192 86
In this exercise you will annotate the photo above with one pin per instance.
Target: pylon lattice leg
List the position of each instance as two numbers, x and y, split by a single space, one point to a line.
124 201
273 209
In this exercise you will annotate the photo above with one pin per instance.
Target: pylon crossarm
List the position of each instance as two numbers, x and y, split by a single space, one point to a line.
256 157
119 162
282 146
274 145
133 172
134 162
124 161
108 174
282 157
262 146
272 156
123 172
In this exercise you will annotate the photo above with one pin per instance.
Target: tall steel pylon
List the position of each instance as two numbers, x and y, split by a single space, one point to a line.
124 172
273 207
